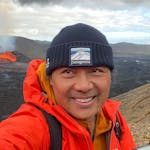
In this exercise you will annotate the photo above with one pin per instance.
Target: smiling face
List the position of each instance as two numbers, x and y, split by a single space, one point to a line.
81 91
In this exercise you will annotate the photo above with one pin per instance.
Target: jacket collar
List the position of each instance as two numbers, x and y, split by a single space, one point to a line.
110 109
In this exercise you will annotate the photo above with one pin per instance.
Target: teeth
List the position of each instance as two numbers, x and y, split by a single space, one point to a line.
84 100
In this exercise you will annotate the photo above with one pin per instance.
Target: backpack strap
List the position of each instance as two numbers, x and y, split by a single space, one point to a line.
55 131
117 129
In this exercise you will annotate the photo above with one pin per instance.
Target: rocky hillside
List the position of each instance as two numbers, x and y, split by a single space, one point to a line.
31 48
136 109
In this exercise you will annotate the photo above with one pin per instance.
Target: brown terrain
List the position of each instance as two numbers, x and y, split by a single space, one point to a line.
136 109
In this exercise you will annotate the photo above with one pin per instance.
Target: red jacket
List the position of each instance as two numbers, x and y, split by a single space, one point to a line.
27 128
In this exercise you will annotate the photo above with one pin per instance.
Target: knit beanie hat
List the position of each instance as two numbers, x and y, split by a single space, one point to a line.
79 45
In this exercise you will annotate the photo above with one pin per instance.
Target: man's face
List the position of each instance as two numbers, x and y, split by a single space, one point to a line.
81 91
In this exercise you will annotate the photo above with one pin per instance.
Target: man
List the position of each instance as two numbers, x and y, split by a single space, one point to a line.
73 85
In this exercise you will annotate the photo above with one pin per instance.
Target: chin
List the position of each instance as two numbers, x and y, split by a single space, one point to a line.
83 116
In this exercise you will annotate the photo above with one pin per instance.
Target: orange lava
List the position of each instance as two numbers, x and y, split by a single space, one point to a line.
7 57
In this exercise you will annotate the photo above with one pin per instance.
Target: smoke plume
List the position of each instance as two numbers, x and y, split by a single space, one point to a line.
6 17
7 43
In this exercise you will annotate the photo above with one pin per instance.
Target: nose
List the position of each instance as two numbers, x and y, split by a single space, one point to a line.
83 83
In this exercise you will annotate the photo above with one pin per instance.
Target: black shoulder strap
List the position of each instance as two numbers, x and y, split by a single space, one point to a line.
55 131
117 129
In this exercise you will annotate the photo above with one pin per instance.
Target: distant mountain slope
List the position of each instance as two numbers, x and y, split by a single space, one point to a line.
31 48
129 49
129 73
37 49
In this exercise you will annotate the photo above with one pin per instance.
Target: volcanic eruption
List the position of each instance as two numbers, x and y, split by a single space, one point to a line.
7 57
7 46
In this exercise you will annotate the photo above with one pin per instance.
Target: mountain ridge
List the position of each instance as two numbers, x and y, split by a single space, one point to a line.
37 49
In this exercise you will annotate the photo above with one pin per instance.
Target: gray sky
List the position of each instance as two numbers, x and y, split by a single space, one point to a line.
119 20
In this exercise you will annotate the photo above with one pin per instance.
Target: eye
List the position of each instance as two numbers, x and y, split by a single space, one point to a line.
68 73
99 70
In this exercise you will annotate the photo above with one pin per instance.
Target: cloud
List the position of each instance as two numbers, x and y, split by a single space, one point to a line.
6 10
48 23
29 19
40 2
88 3
128 36
143 3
